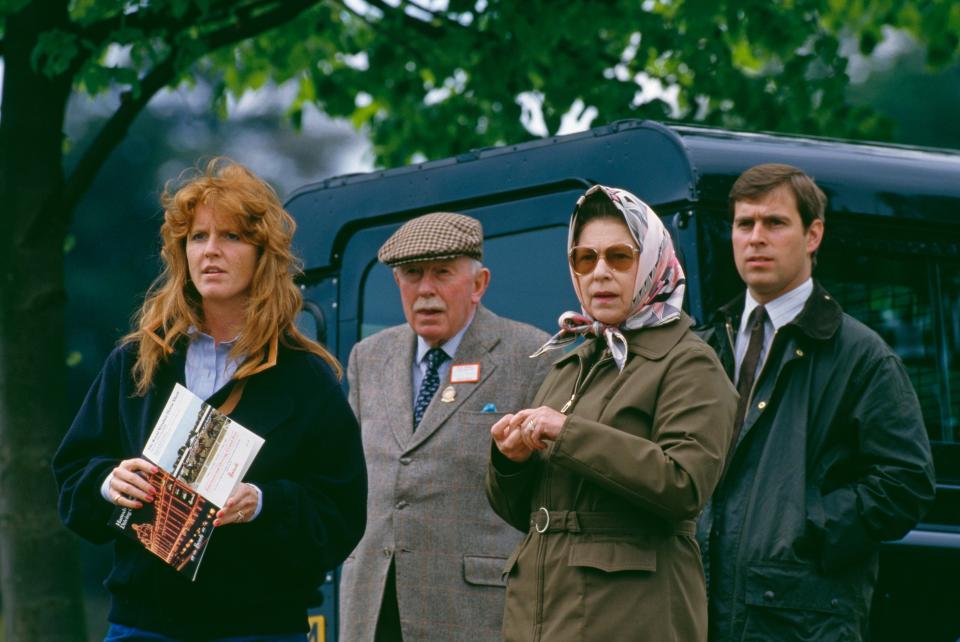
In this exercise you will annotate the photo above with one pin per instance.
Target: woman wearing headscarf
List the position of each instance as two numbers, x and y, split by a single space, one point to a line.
220 320
623 447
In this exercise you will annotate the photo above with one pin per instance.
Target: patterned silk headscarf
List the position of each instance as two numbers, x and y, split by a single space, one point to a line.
658 290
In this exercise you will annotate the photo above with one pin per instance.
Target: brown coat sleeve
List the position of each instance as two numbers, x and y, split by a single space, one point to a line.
674 471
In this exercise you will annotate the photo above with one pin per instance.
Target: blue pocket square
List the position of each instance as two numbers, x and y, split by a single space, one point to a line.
489 408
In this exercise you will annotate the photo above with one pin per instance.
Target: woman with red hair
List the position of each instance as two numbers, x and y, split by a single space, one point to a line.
220 320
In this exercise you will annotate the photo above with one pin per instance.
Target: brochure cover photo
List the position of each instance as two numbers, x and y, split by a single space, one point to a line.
202 455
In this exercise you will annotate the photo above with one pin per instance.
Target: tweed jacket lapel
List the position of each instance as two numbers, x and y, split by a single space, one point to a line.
477 343
396 401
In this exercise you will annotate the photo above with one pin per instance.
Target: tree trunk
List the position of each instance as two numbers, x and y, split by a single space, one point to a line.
39 566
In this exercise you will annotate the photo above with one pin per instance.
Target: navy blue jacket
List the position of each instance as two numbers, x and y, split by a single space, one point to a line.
832 459
255 578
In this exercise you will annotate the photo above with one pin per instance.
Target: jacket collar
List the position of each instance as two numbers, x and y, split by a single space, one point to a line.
819 319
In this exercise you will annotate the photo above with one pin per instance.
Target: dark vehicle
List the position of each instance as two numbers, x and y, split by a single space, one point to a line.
891 257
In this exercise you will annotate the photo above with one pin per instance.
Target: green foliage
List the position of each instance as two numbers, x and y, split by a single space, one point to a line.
54 52
433 83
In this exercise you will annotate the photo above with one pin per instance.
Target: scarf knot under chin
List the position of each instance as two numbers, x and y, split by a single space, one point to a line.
573 325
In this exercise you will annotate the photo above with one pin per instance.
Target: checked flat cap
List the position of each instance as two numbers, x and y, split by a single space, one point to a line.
434 237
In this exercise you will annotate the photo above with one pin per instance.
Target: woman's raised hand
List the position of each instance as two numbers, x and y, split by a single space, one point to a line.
517 436
538 424
508 440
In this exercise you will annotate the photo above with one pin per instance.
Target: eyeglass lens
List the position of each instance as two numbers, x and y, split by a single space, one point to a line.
618 257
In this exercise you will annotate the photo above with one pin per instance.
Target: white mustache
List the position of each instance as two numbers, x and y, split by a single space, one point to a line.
432 303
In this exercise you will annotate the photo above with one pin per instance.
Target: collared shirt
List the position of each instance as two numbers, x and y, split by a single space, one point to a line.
420 364
208 366
780 312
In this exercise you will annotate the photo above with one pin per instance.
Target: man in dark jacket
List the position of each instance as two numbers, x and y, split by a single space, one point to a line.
830 453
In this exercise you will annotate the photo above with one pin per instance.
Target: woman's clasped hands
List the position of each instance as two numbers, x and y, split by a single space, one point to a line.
518 435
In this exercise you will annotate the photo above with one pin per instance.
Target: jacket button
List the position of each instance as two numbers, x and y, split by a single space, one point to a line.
762 405
834 602
769 595
402 504
387 552
405 461
799 352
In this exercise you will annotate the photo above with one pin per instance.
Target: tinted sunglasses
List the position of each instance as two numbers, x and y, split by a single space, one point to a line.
619 257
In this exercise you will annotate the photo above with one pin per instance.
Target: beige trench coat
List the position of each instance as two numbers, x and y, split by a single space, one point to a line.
636 460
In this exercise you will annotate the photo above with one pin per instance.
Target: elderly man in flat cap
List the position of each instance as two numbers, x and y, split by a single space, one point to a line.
426 393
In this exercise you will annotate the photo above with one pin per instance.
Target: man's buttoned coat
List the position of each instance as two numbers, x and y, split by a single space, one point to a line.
427 510
832 459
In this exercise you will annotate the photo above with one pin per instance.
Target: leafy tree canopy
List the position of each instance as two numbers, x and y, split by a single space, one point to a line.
435 78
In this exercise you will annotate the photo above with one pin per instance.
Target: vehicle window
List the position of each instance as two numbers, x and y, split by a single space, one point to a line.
529 282
381 301
914 304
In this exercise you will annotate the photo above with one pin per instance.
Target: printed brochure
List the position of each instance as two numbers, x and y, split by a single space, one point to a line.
201 456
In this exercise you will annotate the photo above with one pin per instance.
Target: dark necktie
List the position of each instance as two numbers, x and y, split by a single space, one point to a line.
748 369
431 381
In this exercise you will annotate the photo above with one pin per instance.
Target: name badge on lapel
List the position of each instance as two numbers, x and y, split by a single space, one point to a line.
465 373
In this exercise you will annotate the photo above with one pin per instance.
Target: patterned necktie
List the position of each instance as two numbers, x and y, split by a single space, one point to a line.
748 369
431 381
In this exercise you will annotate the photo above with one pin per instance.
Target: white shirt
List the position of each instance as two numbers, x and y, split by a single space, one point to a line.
780 312
420 364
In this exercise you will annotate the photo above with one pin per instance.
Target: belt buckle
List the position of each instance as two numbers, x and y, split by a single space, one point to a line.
545 526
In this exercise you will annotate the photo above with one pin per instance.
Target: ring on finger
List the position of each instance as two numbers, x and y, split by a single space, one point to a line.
239 515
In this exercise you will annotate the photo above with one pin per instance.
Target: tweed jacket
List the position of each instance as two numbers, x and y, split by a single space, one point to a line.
427 510
608 507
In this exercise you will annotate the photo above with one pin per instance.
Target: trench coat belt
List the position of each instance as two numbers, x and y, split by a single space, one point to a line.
570 521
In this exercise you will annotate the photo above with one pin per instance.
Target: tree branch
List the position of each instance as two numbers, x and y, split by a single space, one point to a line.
159 77
99 33
284 11
114 130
